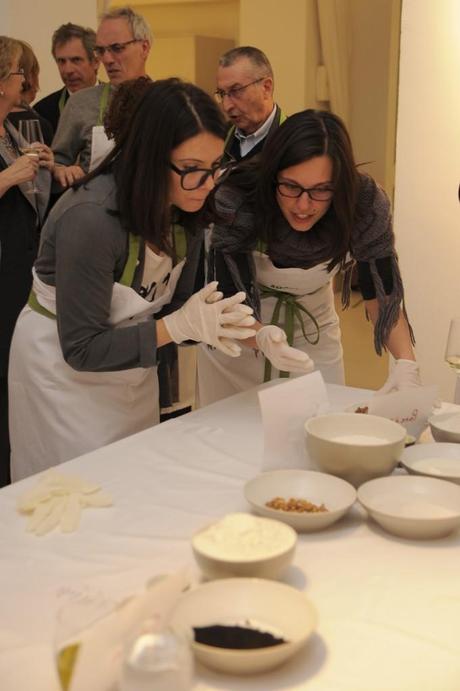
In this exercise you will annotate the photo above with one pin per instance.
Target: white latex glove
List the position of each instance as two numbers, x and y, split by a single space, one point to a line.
272 341
57 500
404 375
208 318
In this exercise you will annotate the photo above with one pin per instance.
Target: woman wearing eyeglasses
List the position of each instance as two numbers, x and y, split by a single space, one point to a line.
111 284
21 214
283 229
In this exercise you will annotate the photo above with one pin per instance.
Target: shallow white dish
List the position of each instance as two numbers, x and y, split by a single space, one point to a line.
244 545
412 506
267 605
354 447
319 488
441 460
445 427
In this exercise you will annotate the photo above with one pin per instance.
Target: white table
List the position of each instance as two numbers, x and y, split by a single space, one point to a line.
389 609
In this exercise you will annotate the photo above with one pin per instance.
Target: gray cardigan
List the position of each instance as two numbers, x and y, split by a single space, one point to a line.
72 141
83 251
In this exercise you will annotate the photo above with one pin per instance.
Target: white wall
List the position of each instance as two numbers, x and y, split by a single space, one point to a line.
427 210
35 20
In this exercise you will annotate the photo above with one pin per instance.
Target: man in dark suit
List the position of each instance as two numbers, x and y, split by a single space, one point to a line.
245 89
73 49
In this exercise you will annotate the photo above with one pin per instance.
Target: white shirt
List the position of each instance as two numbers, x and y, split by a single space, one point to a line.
249 141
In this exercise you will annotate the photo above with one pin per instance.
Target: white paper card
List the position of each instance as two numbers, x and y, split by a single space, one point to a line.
285 408
411 408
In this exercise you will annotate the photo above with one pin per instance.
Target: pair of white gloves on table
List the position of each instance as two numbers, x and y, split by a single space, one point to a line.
209 318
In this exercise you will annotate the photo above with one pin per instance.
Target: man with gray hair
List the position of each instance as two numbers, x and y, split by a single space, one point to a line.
123 42
245 89
72 47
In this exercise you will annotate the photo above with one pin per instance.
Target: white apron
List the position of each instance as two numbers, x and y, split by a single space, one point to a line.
57 413
219 376
101 145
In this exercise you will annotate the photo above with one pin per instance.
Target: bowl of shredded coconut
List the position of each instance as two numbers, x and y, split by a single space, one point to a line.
240 544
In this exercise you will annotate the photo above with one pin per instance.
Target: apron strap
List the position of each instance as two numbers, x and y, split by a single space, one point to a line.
103 104
35 305
127 276
125 280
293 313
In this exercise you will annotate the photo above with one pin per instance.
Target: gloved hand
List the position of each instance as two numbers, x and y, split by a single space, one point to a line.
273 343
208 318
404 375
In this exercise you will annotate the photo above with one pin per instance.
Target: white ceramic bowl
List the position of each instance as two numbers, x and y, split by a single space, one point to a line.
244 545
445 427
412 506
441 460
354 447
319 488
267 605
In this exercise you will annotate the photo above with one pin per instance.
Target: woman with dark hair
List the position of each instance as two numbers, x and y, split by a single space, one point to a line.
284 227
111 287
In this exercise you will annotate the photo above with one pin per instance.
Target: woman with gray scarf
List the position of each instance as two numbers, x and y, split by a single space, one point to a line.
284 226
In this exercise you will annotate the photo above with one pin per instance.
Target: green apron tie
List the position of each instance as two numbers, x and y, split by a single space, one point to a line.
103 104
292 312
126 279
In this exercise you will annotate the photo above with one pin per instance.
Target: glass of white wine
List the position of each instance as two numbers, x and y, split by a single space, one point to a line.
452 355
31 140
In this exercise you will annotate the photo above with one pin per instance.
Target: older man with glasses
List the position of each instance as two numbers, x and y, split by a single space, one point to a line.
123 42
245 90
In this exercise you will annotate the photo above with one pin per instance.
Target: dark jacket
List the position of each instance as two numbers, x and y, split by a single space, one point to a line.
48 107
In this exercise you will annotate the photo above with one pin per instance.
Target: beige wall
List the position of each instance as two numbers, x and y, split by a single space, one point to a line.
35 22
427 210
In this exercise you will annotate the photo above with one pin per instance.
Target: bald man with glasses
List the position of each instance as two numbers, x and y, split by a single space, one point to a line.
245 90
123 42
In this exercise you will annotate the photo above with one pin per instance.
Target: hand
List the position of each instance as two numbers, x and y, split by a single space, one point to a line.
273 343
23 169
45 157
67 175
215 322
404 375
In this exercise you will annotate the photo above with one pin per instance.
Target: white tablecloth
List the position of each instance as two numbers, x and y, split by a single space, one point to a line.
389 609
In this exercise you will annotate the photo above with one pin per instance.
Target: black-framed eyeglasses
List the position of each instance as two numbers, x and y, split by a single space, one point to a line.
114 48
192 178
317 194
236 91
20 71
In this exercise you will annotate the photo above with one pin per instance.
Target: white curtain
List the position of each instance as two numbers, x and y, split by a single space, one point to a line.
336 48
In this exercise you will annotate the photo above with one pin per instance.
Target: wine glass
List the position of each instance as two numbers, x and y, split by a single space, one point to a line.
31 140
452 355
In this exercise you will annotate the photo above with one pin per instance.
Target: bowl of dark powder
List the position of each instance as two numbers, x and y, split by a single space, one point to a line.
244 625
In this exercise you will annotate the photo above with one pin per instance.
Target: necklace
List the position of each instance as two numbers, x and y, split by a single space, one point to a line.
8 144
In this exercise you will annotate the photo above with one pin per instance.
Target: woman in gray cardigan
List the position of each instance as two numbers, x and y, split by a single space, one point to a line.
86 348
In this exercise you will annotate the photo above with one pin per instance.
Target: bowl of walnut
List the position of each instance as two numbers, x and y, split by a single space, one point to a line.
304 499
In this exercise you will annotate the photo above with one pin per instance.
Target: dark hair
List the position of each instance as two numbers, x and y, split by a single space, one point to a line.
117 119
301 137
168 112
66 32
258 59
